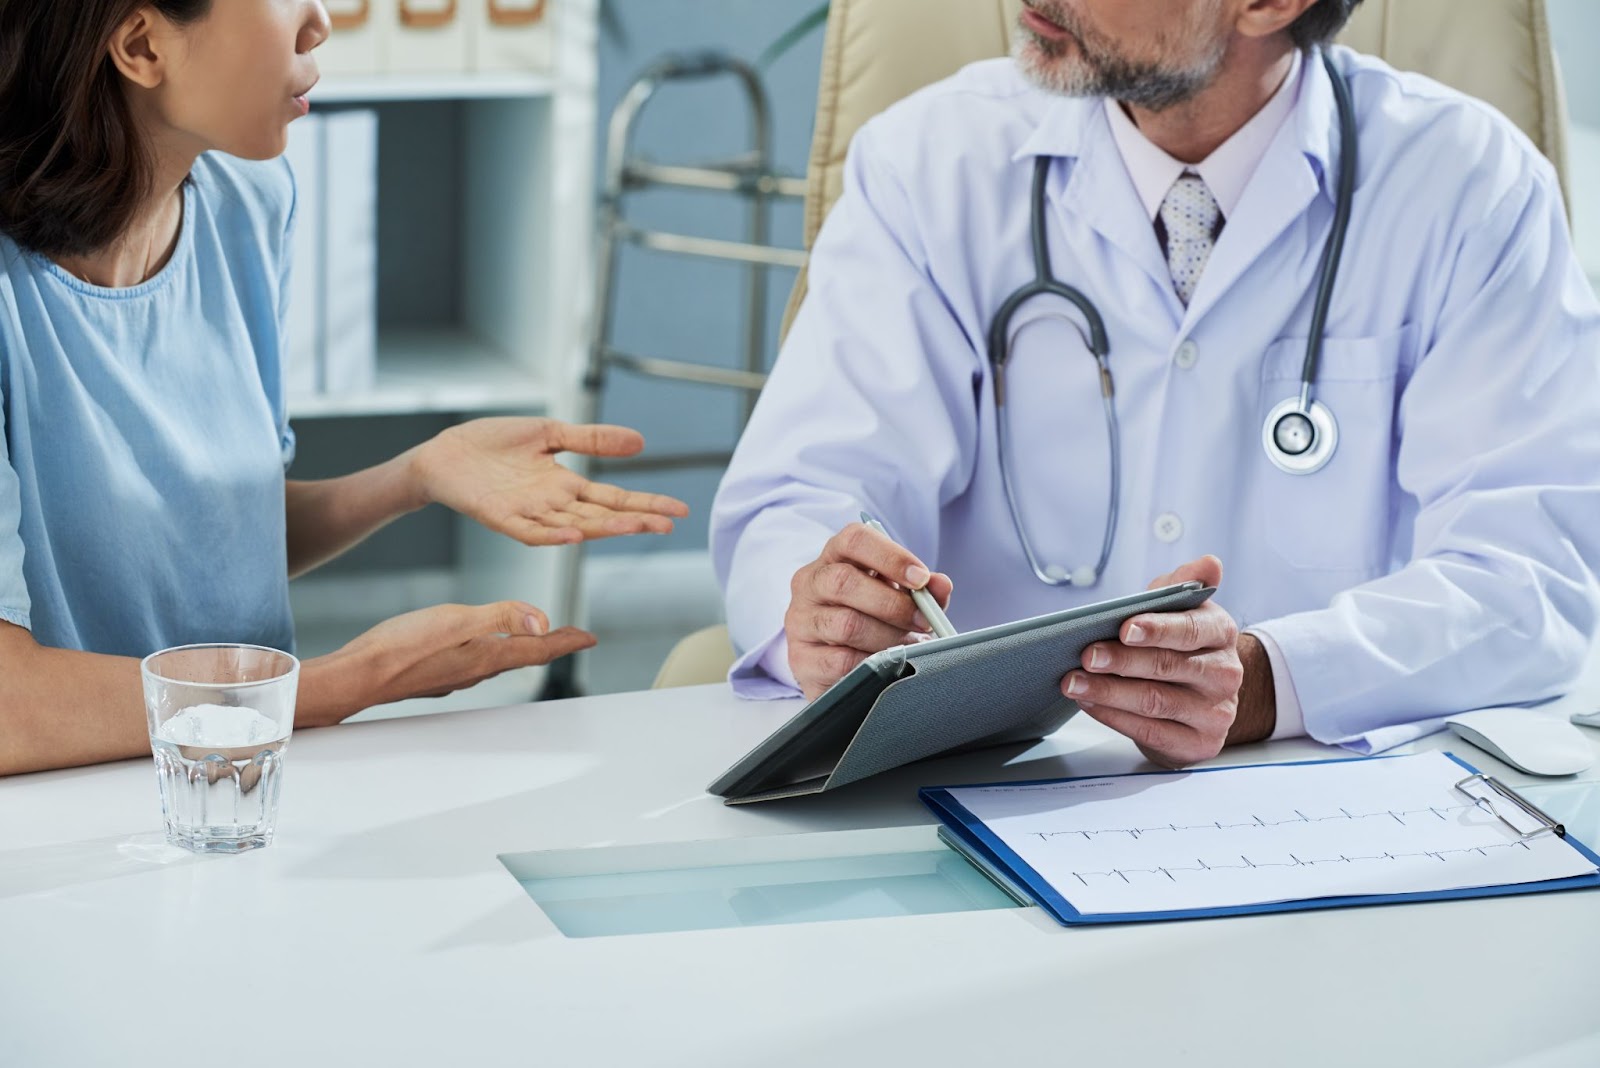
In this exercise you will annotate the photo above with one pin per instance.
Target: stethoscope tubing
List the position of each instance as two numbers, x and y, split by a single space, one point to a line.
1044 283
1333 251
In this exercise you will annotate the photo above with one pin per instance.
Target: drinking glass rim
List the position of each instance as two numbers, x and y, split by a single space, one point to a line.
148 672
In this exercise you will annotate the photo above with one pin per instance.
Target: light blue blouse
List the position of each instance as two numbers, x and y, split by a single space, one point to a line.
143 436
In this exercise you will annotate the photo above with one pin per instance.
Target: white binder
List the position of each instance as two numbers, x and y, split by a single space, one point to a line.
427 37
513 35
302 355
350 251
355 46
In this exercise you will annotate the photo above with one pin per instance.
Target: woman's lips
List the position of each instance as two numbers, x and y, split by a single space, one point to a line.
302 99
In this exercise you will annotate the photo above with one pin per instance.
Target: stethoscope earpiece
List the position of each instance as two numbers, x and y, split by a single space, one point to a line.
1297 441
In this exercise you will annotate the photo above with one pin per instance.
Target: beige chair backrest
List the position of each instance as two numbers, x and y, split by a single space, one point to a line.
879 51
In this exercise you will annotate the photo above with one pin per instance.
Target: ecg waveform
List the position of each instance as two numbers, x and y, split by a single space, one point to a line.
1398 815
1202 867
1246 837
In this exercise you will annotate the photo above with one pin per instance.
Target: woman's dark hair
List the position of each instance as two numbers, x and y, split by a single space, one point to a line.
1321 22
73 171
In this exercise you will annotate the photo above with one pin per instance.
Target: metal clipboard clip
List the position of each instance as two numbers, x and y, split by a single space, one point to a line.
1480 782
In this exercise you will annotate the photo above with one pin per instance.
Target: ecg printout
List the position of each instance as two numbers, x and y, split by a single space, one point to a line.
1245 836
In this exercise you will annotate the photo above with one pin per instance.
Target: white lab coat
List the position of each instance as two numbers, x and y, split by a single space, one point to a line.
1442 560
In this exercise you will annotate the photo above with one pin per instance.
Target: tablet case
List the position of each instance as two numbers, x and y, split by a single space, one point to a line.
989 687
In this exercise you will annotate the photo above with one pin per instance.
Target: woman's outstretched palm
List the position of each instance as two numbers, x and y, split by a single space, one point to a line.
503 473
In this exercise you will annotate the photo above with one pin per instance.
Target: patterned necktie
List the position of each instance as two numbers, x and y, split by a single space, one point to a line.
1190 214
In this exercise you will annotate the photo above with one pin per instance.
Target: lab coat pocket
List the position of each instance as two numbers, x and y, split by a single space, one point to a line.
1338 518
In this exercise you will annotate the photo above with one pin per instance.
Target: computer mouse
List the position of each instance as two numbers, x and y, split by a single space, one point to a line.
1530 741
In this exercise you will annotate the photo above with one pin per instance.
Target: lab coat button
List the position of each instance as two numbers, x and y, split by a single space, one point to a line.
1169 528
1188 353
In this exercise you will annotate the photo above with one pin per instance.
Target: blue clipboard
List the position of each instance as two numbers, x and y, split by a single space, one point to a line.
972 838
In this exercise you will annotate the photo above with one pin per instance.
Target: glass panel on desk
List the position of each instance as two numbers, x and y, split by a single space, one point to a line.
801 878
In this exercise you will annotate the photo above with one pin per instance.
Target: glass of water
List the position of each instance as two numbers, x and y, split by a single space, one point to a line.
220 718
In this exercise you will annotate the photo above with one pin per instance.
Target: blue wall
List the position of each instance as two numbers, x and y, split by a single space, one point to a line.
1575 28
681 308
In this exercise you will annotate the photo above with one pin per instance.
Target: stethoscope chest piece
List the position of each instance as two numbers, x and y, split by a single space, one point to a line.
1297 441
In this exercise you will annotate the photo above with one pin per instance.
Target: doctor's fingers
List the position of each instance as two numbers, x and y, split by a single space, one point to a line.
859 544
846 585
1206 627
1162 741
942 588
1152 700
1206 570
840 626
817 667
1216 672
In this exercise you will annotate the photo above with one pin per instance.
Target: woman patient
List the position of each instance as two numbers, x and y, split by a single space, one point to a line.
144 241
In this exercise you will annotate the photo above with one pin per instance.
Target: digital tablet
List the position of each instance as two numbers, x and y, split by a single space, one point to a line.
988 687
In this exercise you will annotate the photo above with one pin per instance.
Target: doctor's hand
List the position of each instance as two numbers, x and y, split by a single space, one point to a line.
853 601
503 473
1180 684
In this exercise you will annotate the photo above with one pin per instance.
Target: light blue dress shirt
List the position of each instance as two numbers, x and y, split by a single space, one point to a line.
1441 561
143 437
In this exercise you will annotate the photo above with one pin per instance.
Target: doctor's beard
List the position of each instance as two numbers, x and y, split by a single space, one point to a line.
1091 65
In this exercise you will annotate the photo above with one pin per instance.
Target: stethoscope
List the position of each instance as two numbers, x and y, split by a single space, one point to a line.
1299 434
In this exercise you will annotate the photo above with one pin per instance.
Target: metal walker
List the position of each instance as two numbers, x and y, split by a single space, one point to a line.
749 176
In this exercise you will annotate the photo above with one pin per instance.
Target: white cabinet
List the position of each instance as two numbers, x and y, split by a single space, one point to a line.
442 36
485 225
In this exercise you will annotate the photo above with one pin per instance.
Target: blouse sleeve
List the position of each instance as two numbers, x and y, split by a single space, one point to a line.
15 605
280 403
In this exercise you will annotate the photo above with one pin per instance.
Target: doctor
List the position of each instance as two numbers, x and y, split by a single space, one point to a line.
1387 424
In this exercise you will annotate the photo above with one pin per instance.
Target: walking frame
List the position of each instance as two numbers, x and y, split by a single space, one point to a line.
749 176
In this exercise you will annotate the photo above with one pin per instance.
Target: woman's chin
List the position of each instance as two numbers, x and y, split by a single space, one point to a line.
269 146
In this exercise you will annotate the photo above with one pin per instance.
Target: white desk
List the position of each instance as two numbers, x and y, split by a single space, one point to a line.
381 928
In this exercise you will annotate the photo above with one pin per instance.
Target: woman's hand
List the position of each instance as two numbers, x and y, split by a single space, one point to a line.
429 654
503 473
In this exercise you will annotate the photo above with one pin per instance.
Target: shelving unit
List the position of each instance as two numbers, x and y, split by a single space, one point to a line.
436 369
399 87
485 227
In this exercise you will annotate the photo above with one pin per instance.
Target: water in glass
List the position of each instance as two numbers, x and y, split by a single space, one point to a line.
220 721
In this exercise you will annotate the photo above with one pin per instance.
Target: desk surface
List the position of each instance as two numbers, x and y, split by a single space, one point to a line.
381 927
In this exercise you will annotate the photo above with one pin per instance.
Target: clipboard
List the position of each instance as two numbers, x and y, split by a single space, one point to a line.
995 686
969 836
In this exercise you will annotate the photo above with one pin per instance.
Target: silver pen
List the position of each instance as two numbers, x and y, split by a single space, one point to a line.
922 598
